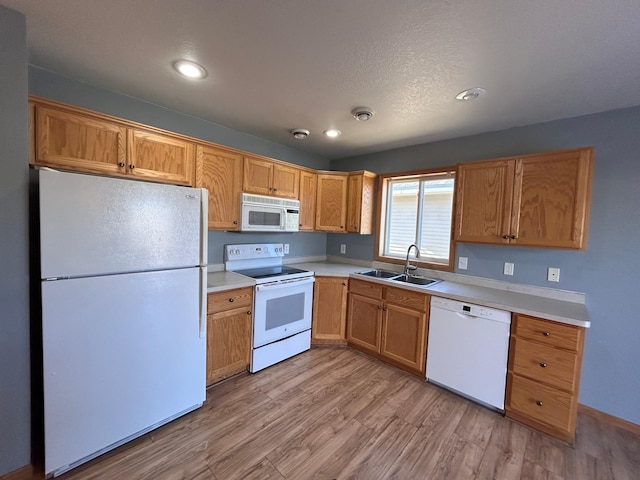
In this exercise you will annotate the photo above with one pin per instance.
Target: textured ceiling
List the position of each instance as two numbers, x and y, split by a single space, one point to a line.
275 65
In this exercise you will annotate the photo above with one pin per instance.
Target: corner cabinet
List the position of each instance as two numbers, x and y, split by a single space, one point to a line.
360 202
265 177
389 323
537 200
331 204
328 326
229 320
545 360
220 171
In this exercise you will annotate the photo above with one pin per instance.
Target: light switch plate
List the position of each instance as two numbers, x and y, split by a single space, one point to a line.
508 268
463 262
343 248
553 274
286 248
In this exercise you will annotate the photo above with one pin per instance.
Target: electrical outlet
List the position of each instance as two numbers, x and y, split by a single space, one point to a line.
343 248
508 268
462 263
553 274
286 248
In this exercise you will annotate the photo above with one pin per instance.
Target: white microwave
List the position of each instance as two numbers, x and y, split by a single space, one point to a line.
268 214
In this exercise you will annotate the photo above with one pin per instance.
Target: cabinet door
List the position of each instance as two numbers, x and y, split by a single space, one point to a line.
258 175
364 323
360 202
308 187
354 203
78 142
220 171
331 206
228 343
286 181
329 311
484 194
161 157
404 337
551 199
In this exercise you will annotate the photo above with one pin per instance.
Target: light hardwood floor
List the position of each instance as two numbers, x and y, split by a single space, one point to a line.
334 413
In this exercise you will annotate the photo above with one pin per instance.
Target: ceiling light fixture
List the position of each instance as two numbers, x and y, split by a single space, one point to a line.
332 133
362 114
300 133
189 69
470 94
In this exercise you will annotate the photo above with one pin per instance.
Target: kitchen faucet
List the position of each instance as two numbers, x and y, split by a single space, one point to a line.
407 266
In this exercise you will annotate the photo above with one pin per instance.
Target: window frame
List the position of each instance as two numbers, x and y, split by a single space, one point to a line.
382 203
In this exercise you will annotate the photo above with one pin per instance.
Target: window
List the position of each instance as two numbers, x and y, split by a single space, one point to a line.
417 208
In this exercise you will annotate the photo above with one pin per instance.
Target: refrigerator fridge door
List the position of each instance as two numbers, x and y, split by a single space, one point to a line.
92 225
122 354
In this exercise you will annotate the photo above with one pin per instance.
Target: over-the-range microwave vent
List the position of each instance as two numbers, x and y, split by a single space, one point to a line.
264 200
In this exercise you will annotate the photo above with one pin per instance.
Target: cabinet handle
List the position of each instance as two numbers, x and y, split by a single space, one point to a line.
121 164
235 222
344 284
506 237
231 300
546 334
131 166
539 403
543 365
513 237
248 312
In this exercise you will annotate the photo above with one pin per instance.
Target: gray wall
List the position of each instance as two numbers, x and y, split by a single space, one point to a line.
15 401
607 271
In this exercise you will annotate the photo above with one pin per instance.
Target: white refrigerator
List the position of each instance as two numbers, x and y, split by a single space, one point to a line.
123 277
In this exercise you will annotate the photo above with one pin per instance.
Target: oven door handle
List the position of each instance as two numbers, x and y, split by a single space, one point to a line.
284 284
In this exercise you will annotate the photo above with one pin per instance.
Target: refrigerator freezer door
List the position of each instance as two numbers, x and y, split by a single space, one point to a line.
92 225
121 353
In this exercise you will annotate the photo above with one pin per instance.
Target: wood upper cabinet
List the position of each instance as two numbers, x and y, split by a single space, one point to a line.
160 157
229 320
76 141
331 205
543 380
389 323
536 200
329 311
265 177
220 171
360 202
308 188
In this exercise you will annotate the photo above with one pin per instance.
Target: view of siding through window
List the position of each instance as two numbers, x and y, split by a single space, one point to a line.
419 211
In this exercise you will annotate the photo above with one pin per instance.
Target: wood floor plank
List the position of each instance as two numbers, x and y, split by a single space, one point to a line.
336 413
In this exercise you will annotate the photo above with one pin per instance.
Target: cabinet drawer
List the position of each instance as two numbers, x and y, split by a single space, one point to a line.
407 298
368 289
539 402
221 301
548 333
545 364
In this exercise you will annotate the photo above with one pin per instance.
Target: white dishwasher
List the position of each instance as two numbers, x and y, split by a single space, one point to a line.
468 349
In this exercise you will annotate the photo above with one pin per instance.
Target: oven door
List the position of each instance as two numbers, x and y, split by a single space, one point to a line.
262 218
281 309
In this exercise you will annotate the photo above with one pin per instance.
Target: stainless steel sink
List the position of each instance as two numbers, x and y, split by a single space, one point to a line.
377 273
415 280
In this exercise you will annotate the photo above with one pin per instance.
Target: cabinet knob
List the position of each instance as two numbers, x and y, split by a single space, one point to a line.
235 222
248 312
341 226
543 365
231 300
131 166
121 164
344 284
512 237
539 403
506 237
275 189
546 334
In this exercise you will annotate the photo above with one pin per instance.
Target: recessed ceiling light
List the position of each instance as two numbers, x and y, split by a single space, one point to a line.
362 114
470 94
300 133
189 69
332 133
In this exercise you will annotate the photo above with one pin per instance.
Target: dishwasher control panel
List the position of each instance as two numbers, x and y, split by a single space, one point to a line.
471 310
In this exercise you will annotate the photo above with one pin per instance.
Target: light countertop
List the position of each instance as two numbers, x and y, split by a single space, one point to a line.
220 281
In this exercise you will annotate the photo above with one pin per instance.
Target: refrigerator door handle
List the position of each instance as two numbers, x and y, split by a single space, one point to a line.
204 227
203 303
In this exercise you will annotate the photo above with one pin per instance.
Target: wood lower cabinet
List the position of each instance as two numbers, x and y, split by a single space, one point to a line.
308 189
537 200
265 177
389 323
331 205
360 202
220 172
329 321
229 320
545 360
